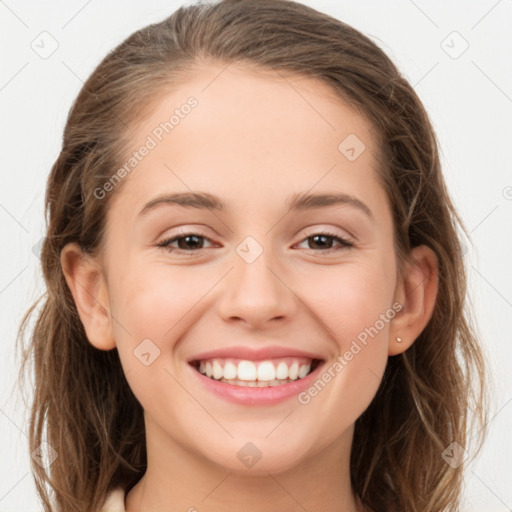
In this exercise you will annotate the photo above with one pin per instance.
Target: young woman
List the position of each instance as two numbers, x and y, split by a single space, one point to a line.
256 295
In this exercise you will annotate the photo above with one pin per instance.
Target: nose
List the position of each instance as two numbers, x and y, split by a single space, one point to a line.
257 293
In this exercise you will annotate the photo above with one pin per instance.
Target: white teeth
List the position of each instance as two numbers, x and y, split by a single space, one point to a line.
266 371
282 371
230 370
246 370
303 370
252 384
259 373
293 372
218 372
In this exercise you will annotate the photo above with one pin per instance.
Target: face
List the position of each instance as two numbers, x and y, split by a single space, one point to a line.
313 283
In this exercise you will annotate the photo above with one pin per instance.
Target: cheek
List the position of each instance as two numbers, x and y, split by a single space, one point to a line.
151 298
350 299
152 306
354 304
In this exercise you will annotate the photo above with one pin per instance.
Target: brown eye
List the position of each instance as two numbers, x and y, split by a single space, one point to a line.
323 242
187 242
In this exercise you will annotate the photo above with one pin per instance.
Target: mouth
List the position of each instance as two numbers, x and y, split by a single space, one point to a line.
260 373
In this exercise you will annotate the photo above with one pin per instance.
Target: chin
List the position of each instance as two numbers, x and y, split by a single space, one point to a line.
257 457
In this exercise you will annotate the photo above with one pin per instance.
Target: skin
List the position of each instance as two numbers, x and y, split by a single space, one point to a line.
254 139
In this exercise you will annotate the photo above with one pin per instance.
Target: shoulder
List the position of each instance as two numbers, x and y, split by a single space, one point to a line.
114 501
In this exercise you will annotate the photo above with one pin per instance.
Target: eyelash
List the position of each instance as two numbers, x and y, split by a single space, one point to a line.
165 244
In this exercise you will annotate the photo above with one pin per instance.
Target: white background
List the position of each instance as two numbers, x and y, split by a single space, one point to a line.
469 99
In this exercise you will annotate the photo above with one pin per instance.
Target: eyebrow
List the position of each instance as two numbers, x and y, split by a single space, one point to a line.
297 202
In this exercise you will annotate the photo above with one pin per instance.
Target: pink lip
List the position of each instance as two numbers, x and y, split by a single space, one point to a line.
242 395
254 354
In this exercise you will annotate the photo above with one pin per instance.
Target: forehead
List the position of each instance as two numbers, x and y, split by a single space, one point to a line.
253 134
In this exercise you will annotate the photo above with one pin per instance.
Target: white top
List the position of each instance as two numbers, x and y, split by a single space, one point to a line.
114 502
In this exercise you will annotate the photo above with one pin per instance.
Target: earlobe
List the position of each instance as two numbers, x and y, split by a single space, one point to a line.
87 284
417 293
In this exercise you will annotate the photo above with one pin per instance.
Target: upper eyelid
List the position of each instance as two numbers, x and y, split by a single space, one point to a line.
311 230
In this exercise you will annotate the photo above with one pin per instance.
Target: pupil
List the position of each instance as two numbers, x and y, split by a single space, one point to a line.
187 238
323 237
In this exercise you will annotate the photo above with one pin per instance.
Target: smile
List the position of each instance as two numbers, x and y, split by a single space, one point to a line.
263 373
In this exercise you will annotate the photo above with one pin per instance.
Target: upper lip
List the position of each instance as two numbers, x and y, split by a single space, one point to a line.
256 354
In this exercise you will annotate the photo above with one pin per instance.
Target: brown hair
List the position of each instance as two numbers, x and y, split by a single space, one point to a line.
81 397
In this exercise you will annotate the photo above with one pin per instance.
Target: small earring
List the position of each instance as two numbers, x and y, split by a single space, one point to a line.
399 339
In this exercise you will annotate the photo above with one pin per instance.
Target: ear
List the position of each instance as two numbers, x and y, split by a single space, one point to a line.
88 286
416 291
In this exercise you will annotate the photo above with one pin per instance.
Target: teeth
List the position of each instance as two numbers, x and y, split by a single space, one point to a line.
230 370
266 371
218 372
303 371
256 373
255 383
293 372
282 370
246 370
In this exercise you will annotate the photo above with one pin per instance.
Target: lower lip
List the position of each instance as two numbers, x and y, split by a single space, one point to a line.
245 395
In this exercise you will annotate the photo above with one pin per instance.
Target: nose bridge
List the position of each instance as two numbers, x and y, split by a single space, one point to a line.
254 291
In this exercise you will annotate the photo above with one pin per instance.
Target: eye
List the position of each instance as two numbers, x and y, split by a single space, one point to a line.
324 241
186 241
191 242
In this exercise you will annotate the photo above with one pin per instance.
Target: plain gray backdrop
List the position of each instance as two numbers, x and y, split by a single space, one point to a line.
457 55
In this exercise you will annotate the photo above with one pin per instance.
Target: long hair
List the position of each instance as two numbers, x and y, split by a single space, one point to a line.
430 395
